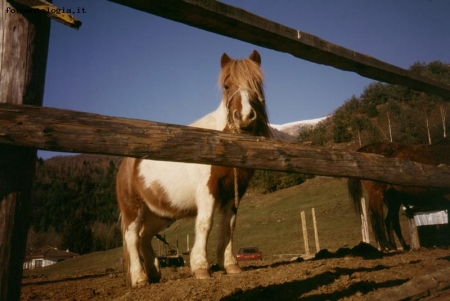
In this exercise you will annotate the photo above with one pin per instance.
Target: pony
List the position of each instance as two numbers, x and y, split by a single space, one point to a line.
393 196
153 194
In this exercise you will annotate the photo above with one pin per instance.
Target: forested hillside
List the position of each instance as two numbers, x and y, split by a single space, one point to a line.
386 112
74 203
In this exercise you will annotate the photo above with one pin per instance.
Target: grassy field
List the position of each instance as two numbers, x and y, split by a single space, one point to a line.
272 221
269 221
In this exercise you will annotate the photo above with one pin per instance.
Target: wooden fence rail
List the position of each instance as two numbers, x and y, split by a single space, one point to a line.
70 131
237 23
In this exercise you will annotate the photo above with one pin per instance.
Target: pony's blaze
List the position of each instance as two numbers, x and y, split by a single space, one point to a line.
243 115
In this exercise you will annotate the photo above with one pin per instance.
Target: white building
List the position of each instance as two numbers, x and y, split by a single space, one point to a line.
46 256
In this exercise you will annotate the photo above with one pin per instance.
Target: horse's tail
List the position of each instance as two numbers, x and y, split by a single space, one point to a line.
355 192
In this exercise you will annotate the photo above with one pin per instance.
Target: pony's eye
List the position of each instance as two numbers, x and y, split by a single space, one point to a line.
226 87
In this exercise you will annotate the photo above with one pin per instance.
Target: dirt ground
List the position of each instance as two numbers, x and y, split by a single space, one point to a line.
360 273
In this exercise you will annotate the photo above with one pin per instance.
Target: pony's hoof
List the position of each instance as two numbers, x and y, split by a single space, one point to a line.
202 274
142 283
233 269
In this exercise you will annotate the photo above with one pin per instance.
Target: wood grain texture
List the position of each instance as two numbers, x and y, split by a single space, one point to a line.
70 131
23 58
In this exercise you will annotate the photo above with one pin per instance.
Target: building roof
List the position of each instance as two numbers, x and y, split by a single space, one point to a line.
50 252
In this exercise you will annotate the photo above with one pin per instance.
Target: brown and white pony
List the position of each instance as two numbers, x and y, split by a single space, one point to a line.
381 195
153 194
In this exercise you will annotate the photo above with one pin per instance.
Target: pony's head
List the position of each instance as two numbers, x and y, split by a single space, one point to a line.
243 95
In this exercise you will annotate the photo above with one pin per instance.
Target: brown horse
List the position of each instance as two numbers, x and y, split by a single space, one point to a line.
393 196
153 194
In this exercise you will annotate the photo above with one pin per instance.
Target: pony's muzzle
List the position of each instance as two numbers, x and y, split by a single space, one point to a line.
244 122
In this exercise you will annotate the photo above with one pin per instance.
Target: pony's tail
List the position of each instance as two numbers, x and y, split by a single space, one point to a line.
355 192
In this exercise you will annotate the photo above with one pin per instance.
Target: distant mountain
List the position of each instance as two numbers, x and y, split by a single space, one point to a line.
290 131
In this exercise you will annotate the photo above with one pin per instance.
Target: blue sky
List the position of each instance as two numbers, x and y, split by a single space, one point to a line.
123 62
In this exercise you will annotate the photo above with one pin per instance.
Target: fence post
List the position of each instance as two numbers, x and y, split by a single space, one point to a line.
187 242
414 234
316 233
364 224
23 59
305 234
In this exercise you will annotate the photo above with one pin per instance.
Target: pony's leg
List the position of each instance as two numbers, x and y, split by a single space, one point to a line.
131 240
398 232
225 257
393 202
376 209
203 224
126 253
394 209
152 224
389 224
390 216
131 212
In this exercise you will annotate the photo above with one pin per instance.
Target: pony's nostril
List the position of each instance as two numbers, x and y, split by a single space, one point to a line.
252 115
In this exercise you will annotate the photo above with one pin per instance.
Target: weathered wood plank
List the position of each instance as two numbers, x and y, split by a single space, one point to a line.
23 58
236 23
70 131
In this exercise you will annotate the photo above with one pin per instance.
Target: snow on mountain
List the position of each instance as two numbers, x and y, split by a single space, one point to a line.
291 130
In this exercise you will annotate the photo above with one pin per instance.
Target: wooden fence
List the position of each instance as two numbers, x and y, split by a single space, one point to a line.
23 52
70 131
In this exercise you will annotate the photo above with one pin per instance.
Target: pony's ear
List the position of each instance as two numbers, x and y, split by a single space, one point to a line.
225 59
256 57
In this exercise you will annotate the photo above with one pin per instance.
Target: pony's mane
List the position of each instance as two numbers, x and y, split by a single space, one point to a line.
246 74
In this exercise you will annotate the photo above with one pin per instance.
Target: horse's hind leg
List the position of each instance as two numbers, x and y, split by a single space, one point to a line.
225 257
131 226
376 210
131 212
152 224
393 203
389 221
398 232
